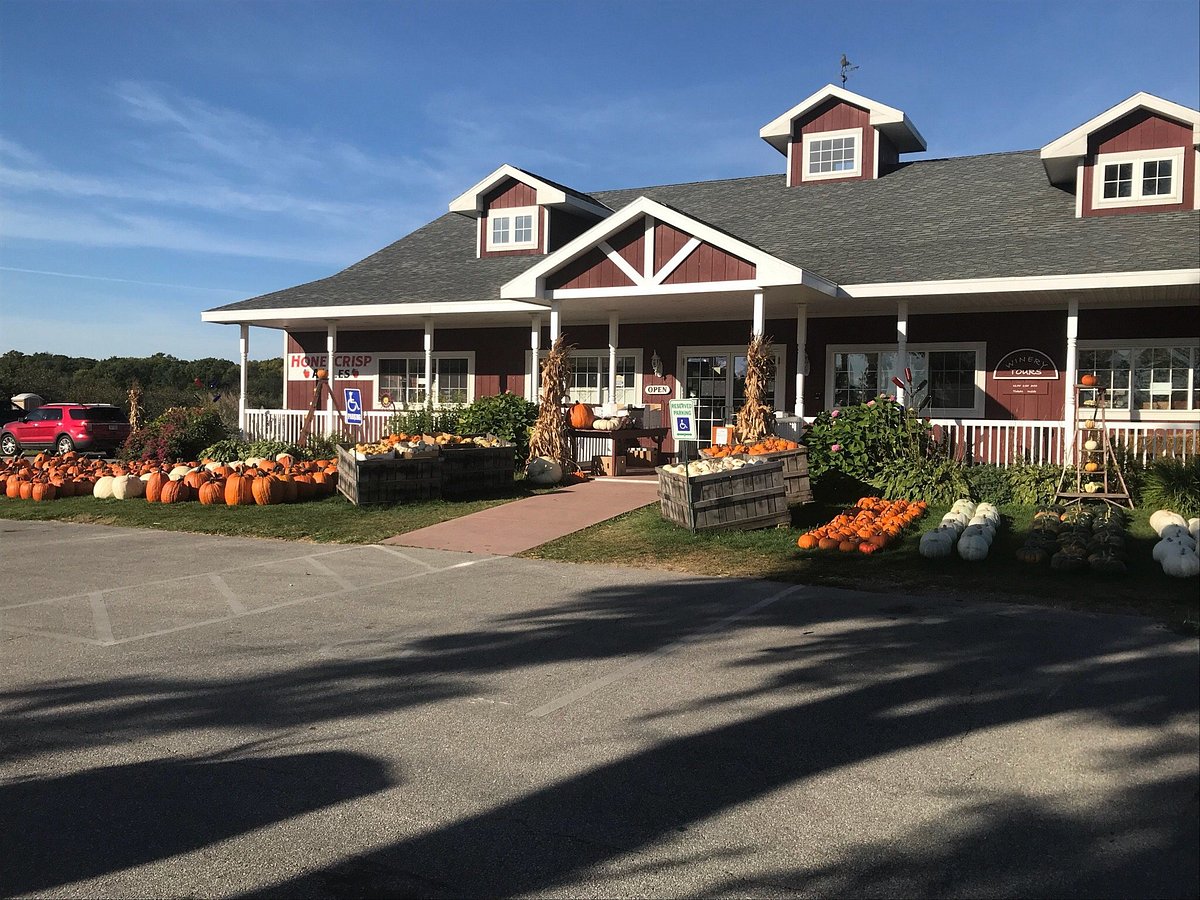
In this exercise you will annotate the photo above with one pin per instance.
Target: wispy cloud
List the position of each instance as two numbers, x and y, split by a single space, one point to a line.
84 277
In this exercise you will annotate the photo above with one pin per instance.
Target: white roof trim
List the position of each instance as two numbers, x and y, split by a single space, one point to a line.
1061 155
1076 282
470 203
369 310
894 123
771 271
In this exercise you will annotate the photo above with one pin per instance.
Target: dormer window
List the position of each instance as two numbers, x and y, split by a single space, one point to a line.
513 229
832 154
1138 178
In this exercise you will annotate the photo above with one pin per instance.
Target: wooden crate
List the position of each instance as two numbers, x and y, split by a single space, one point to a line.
742 499
795 474
477 471
372 481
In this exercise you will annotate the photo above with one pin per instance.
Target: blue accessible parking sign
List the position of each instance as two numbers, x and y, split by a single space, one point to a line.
353 406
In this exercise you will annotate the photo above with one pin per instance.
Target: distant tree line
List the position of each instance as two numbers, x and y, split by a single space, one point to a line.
165 380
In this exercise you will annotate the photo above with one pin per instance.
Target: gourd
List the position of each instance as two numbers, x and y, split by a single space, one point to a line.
973 546
1091 445
103 488
582 416
1064 561
1181 563
936 544
543 470
1032 554
957 517
1164 517
1178 532
1166 547
126 487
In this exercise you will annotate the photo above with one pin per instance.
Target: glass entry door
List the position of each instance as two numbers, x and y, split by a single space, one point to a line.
718 381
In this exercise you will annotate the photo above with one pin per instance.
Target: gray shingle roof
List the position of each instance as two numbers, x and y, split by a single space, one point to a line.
969 217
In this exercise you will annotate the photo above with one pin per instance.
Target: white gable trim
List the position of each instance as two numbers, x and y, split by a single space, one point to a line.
470 203
1061 155
621 263
771 271
370 310
891 121
676 261
1077 282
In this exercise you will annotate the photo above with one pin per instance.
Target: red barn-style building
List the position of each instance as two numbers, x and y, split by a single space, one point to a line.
1000 278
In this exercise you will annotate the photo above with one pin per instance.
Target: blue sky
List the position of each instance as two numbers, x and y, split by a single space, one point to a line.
161 158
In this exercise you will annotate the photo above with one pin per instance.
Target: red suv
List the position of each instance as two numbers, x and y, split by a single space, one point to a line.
66 427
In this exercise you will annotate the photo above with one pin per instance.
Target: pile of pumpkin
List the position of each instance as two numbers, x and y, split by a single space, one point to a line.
1178 548
867 527
967 528
254 481
1077 538
759 448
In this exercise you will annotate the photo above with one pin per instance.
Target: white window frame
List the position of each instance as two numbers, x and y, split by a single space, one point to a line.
635 352
1137 158
511 214
1149 415
978 347
806 172
468 355
781 372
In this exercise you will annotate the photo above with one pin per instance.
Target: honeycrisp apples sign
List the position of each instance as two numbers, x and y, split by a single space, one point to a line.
302 366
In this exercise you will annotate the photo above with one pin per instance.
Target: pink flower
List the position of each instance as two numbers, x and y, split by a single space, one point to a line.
835 448
891 398
835 414
870 403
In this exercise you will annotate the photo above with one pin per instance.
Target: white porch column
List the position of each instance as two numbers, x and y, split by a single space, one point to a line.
901 346
801 347
330 342
535 347
555 320
614 330
759 324
286 348
429 361
243 355
1071 376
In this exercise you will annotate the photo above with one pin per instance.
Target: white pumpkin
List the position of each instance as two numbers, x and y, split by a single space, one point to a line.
178 472
544 471
126 487
1181 563
1091 445
1160 519
963 506
1179 532
973 547
211 466
1165 547
145 476
937 543
1194 528
103 487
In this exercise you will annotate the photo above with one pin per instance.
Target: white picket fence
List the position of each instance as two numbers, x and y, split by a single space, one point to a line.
1000 441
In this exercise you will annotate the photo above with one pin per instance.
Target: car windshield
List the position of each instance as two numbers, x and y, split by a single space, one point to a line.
99 414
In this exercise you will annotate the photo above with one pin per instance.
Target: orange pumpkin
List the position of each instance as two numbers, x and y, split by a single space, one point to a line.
239 490
806 542
1088 380
154 486
848 546
196 479
267 491
212 493
26 490
174 492
582 416
43 491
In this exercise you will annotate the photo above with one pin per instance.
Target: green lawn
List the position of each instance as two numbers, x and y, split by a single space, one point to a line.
332 519
643 538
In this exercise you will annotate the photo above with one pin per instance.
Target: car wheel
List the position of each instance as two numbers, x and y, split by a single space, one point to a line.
64 445
9 445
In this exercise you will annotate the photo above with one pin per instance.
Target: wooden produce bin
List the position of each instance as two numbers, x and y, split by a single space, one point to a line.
469 472
741 499
795 474
401 480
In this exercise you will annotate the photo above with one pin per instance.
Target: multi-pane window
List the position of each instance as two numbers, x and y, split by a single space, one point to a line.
1146 378
512 229
1118 180
589 379
1138 178
832 154
862 375
404 380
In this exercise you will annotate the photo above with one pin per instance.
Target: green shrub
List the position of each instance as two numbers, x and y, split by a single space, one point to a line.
180 433
225 451
504 415
426 420
862 439
325 446
1034 485
934 480
990 483
268 449
1173 484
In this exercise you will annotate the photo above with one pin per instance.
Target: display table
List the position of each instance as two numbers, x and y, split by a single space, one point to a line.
620 441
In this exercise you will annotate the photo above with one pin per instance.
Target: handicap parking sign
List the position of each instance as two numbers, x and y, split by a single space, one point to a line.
353 406
683 420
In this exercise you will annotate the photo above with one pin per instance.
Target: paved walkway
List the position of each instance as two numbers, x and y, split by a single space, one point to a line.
512 528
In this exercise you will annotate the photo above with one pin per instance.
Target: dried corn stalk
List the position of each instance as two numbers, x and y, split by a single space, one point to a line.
756 418
550 436
135 405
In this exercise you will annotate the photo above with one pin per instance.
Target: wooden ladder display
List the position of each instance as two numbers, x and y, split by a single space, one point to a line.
321 391
1092 457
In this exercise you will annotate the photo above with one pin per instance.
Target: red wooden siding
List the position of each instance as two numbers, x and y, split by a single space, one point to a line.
1141 130
708 263
834 115
631 245
667 242
592 270
509 195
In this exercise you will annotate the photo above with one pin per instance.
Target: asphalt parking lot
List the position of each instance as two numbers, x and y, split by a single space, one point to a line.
207 716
